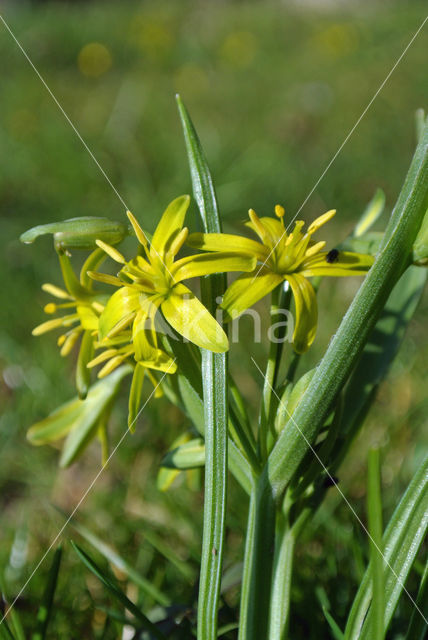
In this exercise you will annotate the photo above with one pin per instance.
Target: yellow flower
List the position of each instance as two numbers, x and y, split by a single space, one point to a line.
155 281
86 306
79 297
282 256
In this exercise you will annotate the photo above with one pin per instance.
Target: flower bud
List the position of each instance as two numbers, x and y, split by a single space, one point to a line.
79 233
420 247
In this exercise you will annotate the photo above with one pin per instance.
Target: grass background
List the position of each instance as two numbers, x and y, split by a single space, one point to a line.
273 89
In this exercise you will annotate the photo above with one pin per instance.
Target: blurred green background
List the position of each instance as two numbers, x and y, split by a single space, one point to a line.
273 88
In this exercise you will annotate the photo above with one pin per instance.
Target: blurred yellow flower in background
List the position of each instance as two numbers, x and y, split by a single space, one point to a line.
94 59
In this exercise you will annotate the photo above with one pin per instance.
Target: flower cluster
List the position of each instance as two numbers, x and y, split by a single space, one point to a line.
129 327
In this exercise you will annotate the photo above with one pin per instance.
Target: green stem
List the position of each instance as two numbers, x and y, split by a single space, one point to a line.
215 396
213 369
269 379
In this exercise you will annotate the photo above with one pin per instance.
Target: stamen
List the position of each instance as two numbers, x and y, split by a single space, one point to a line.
315 249
51 307
111 251
54 324
121 324
99 308
70 341
105 278
259 226
155 383
316 224
110 366
106 355
55 291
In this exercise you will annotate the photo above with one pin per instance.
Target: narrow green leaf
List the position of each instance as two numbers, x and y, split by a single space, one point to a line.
14 617
117 593
78 418
401 541
146 586
45 609
418 626
371 213
190 390
374 508
215 394
337 633
280 595
85 428
190 455
5 632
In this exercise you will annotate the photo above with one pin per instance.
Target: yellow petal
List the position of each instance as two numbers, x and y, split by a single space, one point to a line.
88 318
169 226
247 290
260 229
346 264
144 339
122 304
202 264
306 312
228 242
188 316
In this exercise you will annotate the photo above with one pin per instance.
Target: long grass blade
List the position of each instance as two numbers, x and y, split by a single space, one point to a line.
215 393
374 509
401 541
117 593
45 610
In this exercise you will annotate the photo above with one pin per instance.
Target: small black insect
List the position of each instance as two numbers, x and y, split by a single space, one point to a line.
332 256
330 481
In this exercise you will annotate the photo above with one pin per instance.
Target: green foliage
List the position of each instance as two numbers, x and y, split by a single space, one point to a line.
285 90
